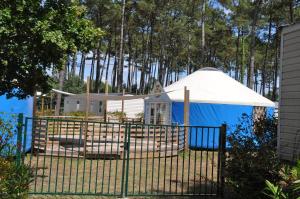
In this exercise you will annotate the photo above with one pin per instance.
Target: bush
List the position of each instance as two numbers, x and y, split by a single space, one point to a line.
79 114
7 132
289 187
252 157
140 115
117 115
14 178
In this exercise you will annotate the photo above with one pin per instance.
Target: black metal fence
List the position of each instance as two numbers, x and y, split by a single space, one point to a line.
70 157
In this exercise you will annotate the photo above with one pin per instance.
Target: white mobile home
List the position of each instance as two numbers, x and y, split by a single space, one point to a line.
132 107
289 95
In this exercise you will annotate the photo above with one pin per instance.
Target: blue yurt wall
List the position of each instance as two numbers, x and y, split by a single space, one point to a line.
15 106
215 99
211 115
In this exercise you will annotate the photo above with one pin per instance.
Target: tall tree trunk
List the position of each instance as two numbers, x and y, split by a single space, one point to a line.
114 73
277 52
242 69
255 79
68 70
129 61
129 73
108 61
236 73
203 33
263 75
291 11
256 11
120 67
102 69
92 69
98 67
74 64
58 95
82 66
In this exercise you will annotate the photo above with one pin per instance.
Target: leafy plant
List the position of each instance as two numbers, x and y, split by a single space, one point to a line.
289 187
252 157
74 85
140 115
117 114
79 114
273 191
47 32
14 178
7 132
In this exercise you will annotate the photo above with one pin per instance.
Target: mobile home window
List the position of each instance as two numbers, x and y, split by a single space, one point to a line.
100 106
159 113
78 105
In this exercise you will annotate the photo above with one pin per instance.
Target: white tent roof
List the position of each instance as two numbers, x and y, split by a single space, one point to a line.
210 85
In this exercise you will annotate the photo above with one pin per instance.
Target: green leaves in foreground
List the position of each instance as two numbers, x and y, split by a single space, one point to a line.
289 188
273 191
36 38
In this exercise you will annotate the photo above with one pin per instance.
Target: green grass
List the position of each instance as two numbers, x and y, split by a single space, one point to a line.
145 176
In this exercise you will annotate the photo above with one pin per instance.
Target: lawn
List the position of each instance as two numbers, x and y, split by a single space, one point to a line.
186 173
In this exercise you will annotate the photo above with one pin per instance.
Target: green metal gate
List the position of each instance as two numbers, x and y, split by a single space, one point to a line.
75 157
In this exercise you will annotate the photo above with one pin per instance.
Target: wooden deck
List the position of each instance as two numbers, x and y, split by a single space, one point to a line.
104 140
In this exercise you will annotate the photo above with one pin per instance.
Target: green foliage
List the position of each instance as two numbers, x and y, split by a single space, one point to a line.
117 114
37 36
274 192
74 85
101 87
14 179
289 187
79 114
140 115
252 157
7 131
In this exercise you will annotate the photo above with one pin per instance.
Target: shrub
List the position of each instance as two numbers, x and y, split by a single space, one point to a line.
140 115
7 132
252 157
79 114
14 178
289 187
117 114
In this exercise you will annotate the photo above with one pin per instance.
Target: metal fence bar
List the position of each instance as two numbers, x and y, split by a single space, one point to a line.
128 127
46 135
123 166
24 140
97 164
154 159
72 153
64 167
38 155
19 139
223 157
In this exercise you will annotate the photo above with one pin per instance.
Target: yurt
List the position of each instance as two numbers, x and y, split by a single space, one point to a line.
215 99
14 106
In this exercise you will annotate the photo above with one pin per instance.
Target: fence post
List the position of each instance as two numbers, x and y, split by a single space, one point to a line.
24 139
223 157
19 138
123 194
186 117
127 162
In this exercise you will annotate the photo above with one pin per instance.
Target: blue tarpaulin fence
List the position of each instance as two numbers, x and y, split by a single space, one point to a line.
204 114
14 106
